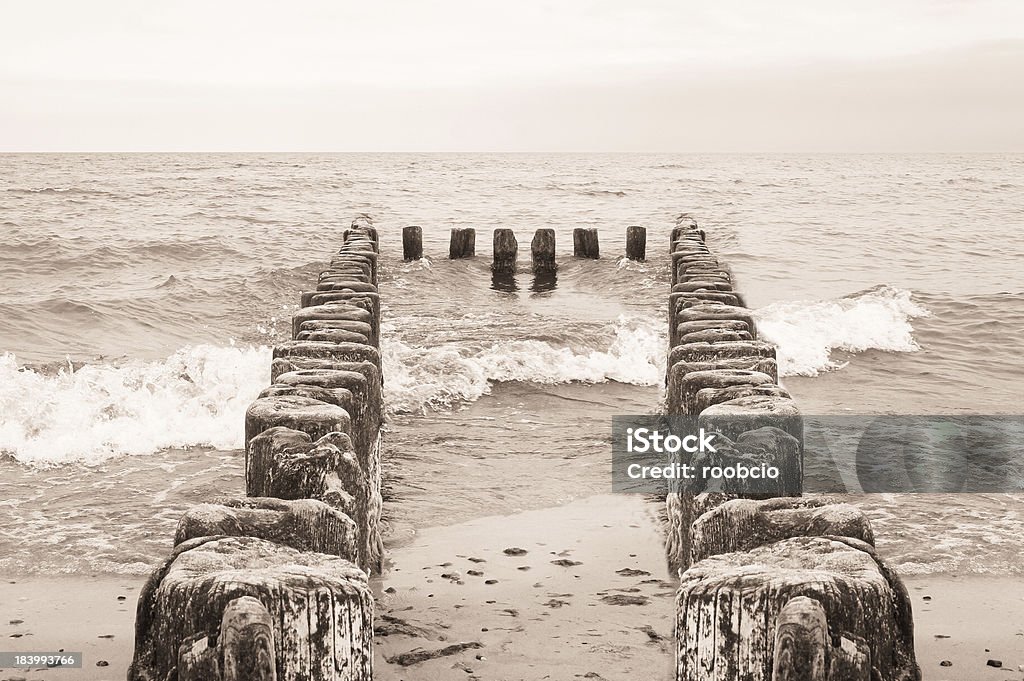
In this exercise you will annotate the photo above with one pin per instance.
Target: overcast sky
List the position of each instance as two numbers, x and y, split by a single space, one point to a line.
522 75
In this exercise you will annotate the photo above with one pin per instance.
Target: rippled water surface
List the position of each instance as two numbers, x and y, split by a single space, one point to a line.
141 294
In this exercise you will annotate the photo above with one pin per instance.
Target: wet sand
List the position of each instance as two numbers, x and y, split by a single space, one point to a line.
602 618
967 621
92 615
576 591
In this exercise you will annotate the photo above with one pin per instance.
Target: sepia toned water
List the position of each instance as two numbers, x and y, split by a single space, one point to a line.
141 294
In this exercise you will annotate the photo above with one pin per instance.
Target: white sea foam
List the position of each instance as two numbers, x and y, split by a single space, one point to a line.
197 396
417 378
807 332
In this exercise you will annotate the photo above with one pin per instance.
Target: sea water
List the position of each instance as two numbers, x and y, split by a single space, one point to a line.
141 295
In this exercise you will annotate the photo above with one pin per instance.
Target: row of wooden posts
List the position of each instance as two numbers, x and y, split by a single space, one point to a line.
585 244
771 589
273 586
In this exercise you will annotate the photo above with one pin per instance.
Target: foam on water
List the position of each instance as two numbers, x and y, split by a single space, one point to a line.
420 377
197 396
807 332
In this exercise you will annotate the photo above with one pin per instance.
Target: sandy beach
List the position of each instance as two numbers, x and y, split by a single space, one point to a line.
575 591
968 621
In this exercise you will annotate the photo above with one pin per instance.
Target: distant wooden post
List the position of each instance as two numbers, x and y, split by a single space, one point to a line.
506 249
247 641
463 243
543 249
801 641
412 243
584 243
363 224
684 225
636 243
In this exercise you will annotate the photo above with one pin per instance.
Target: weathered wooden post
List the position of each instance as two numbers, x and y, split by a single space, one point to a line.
463 243
412 243
313 417
363 225
584 243
506 249
305 523
698 388
684 225
320 607
729 605
636 243
543 249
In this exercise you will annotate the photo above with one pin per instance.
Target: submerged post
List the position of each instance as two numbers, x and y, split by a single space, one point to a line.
584 243
543 249
636 243
463 243
412 243
506 248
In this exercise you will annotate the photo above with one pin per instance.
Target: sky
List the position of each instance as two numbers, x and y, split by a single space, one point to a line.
529 75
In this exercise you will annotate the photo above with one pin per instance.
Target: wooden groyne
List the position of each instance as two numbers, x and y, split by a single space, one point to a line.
773 589
273 586
505 248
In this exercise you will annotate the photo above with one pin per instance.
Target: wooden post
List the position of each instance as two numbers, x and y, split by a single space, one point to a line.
731 607
284 463
506 248
745 524
463 243
543 250
412 243
636 243
801 639
312 417
584 243
306 524
247 641
320 611
362 225
684 225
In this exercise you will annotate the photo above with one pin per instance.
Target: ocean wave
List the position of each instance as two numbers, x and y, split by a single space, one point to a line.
56 415
195 397
71 191
419 378
807 332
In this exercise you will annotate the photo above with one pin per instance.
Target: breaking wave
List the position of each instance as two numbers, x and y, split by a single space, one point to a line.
195 397
807 332
198 396
418 378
